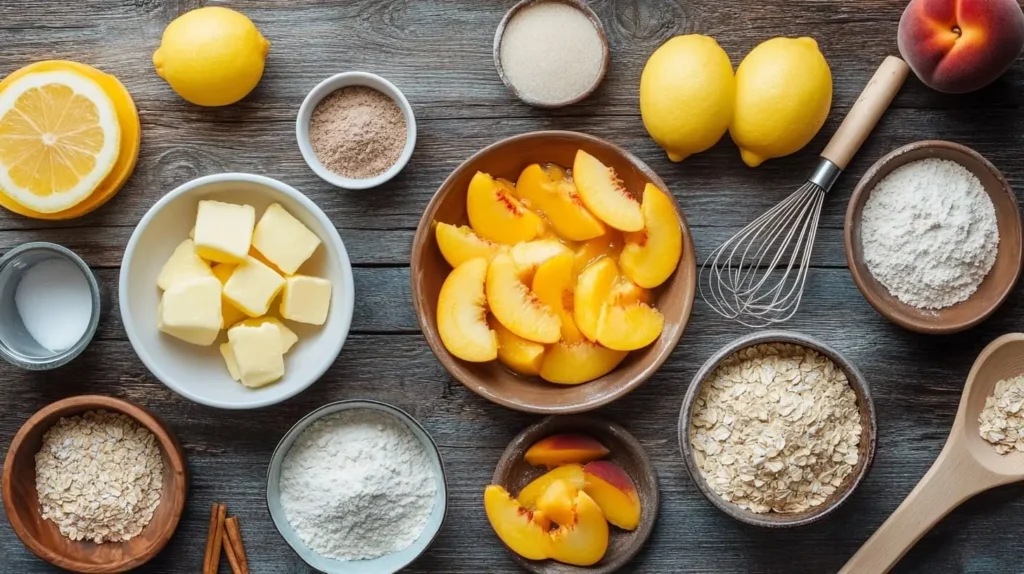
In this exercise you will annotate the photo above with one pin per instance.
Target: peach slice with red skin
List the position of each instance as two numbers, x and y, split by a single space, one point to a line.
583 540
522 356
524 531
613 490
517 307
566 448
550 190
604 194
651 255
462 314
593 286
496 215
532 492
460 244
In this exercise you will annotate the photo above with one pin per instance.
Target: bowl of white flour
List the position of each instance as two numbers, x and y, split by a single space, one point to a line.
933 237
357 486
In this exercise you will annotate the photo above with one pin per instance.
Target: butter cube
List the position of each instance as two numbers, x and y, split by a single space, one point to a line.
232 314
224 231
306 299
229 359
284 240
252 287
288 337
183 264
191 311
257 352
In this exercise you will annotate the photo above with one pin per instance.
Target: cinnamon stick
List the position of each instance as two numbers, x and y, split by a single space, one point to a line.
234 533
211 559
229 551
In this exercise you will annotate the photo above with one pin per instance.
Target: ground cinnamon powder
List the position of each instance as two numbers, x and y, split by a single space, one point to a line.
357 132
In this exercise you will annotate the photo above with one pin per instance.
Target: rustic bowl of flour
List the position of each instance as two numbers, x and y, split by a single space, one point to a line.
357 486
933 237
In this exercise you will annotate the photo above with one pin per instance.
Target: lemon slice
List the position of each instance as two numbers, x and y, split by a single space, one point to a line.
59 138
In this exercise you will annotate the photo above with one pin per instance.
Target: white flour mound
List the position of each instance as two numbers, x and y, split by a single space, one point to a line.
357 485
929 233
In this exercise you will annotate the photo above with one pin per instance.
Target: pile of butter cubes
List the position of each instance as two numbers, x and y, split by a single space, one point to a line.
228 274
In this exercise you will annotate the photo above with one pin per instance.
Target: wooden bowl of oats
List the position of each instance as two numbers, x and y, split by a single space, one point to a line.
777 429
57 456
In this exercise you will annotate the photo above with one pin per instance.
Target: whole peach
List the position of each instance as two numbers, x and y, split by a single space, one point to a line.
959 46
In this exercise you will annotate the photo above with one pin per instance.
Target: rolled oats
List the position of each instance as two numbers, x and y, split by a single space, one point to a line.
1002 422
99 476
776 428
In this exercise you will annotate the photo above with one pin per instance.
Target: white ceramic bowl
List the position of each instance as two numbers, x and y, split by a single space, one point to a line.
332 84
199 373
386 564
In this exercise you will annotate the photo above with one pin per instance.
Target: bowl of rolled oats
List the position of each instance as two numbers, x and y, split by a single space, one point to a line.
777 429
94 484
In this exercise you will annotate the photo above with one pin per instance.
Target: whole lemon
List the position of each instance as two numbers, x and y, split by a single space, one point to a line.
686 95
211 56
783 95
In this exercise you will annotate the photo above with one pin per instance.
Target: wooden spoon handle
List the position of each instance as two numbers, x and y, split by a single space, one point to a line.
866 111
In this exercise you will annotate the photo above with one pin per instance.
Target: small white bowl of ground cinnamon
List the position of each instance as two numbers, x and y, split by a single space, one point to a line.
356 130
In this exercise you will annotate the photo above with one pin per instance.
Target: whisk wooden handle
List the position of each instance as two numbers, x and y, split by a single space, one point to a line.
866 111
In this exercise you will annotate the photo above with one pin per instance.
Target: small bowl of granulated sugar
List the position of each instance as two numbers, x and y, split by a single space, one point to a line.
933 237
357 487
356 130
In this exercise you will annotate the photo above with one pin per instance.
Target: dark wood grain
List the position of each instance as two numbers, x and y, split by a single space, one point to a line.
439 53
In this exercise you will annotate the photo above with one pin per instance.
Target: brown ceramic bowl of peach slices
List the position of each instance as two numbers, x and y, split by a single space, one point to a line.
553 272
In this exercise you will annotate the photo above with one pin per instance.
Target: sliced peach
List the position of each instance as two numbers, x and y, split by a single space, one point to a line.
462 313
568 363
613 490
553 284
529 255
517 307
550 190
604 194
608 245
558 500
496 215
525 532
627 327
460 244
515 352
652 254
530 493
592 289
582 541
567 448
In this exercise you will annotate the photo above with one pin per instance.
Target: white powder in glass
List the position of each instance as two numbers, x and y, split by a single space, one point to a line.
357 485
551 52
929 233
55 303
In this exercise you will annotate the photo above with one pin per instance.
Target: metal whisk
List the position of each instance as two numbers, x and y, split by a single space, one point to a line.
757 276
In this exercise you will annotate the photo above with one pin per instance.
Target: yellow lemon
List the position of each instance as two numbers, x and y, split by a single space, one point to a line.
59 138
687 91
211 56
783 95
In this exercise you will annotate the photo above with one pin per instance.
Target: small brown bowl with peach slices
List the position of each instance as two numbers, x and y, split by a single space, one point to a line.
553 272
573 494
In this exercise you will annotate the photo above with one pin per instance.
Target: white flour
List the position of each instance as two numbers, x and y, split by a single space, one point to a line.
357 485
929 233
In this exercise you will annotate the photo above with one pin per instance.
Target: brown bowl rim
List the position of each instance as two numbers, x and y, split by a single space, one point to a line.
605 55
647 521
423 229
862 277
857 382
168 444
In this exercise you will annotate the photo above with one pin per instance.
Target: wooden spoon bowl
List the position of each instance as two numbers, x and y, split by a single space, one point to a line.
43 538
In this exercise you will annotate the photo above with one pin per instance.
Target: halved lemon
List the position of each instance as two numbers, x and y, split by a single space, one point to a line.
59 138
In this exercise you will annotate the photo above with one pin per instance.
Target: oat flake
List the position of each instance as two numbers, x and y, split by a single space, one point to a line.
1002 422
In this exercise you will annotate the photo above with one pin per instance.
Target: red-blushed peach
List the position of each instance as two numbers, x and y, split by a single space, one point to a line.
530 493
559 449
959 46
614 492
524 531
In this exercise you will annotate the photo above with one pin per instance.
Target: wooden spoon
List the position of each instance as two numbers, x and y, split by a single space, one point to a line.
966 466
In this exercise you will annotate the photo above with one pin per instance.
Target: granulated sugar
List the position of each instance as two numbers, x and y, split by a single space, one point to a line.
551 52
357 132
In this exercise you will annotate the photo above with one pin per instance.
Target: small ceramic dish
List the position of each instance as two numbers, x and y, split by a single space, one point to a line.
513 473
17 346
331 85
866 452
199 373
506 159
997 284
42 536
605 57
385 564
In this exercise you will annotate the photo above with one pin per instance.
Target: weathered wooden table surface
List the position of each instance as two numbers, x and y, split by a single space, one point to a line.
439 54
